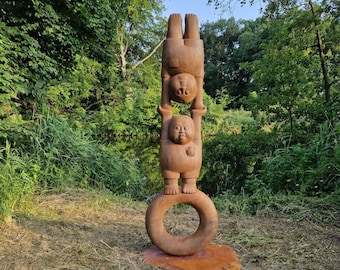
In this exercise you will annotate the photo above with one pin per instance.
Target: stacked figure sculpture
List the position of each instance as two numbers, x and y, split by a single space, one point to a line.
180 142
182 81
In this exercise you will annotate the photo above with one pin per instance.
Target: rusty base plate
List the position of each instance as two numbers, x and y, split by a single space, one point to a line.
212 257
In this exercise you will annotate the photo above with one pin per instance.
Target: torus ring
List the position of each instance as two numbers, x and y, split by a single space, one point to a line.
188 245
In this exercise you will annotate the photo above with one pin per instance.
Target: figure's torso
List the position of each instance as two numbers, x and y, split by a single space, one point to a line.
179 158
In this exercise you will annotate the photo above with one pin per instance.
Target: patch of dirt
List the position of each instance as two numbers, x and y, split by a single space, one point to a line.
88 230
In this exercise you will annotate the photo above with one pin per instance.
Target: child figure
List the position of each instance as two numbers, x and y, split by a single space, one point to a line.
180 149
182 81
183 62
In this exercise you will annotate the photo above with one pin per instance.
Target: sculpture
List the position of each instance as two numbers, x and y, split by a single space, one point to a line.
181 157
182 81
181 150
181 143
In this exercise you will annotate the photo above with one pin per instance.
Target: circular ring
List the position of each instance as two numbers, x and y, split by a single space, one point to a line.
188 245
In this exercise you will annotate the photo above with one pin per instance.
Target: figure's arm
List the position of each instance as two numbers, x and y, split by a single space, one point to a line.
196 115
165 102
166 113
198 101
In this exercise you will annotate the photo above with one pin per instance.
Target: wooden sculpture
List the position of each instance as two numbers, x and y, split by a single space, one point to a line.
182 81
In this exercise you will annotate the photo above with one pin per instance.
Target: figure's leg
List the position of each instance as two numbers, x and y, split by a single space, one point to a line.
175 26
191 27
189 186
170 186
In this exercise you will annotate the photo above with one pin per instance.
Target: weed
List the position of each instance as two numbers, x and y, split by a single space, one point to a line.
17 182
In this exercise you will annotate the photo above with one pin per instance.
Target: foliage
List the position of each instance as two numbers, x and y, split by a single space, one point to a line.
228 44
222 37
312 169
220 121
266 204
18 181
130 108
147 151
80 58
68 157
56 156
229 160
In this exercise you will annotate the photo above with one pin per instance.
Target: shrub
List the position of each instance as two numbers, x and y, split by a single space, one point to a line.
229 160
18 180
265 203
68 157
310 169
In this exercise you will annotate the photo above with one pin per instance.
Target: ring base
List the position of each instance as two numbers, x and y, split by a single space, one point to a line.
170 244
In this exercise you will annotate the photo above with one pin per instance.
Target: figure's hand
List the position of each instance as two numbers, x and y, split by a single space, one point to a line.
191 151
198 105
198 112
165 110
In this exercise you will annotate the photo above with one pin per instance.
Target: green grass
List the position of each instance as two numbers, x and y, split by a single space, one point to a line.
54 155
17 182
315 209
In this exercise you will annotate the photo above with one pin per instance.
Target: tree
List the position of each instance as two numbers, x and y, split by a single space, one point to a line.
77 56
46 37
228 45
139 26
325 13
288 76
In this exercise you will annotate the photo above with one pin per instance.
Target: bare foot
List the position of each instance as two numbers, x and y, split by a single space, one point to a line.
175 26
189 188
191 27
171 189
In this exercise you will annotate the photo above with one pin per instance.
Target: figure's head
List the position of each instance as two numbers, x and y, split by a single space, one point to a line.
181 129
182 87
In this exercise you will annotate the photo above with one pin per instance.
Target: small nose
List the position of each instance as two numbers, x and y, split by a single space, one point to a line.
183 91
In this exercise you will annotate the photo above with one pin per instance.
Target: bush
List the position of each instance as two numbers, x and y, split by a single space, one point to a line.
219 121
18 181
229 160
68 157
265 203
310 169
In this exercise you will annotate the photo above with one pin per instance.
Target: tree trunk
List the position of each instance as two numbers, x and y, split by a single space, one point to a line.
326 83
122 61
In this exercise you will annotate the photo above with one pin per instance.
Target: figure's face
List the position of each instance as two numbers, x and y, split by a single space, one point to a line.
181 129
182 87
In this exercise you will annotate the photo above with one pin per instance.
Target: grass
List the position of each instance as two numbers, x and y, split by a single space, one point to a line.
265 204
17 186
54 155
88 229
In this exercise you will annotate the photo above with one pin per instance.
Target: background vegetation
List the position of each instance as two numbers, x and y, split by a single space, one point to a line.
78 76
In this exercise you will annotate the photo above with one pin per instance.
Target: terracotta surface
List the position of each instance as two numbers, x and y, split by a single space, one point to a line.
180 142
212 257
183 62
173 245
182 81
180 150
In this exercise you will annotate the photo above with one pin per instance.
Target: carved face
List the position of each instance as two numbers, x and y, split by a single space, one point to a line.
182 87
181 129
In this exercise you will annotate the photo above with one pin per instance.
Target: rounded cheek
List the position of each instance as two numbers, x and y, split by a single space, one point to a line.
190 133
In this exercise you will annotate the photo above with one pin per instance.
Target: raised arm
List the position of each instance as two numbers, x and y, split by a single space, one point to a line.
196 115
165 101
166 113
